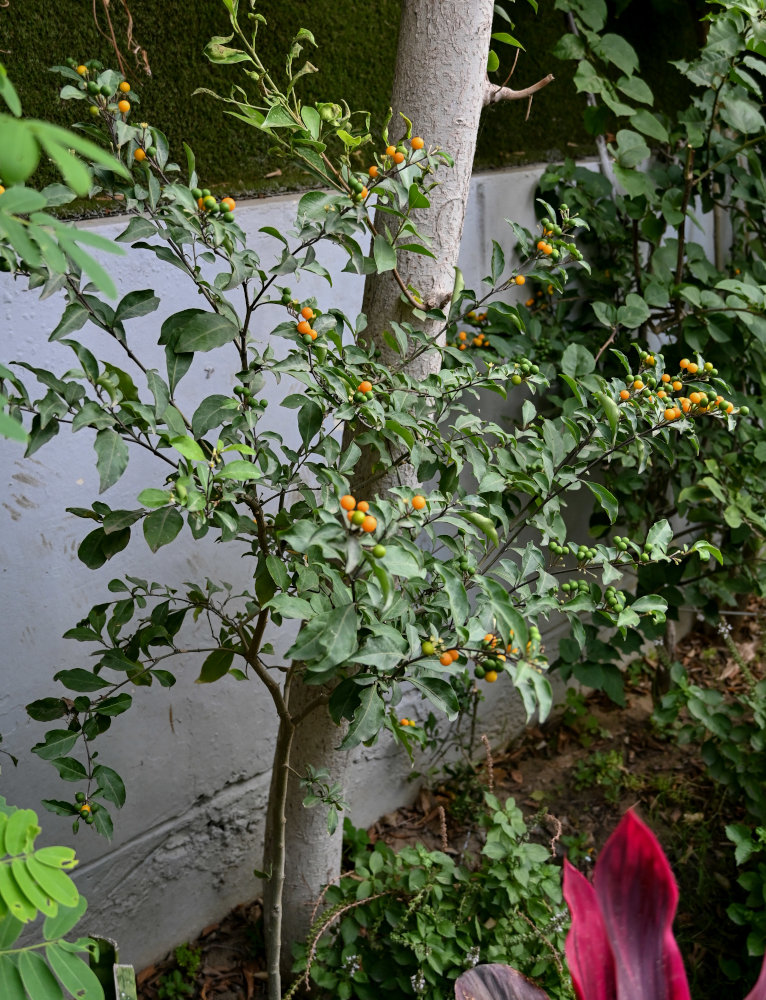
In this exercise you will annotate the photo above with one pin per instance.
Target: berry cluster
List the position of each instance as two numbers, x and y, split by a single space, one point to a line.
208 204
359 517
647 386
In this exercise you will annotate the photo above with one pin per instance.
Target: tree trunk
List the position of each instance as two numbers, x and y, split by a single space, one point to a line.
440 85
298 851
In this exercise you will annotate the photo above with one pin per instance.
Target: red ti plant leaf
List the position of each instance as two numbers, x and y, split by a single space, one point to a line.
637 896
758 992
496 982
589 952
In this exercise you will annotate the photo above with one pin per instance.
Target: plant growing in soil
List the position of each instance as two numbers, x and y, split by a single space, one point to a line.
390 585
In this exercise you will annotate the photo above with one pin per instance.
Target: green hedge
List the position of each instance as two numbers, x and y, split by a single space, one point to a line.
356 59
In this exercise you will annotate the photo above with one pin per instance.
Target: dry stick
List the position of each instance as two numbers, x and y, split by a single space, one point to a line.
537 931
443 828
556 836
322 894
490 764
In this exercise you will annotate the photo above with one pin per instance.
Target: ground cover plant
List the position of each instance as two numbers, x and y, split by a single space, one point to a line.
399 585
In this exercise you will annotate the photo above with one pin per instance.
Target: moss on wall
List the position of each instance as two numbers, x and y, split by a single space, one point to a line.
356 59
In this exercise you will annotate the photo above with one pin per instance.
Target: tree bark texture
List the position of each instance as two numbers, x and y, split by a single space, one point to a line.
310 856
439 84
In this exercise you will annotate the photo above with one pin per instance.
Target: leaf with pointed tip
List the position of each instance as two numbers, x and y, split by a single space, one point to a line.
637 897
588 951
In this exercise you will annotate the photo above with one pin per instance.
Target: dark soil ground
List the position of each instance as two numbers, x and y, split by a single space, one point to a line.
587 766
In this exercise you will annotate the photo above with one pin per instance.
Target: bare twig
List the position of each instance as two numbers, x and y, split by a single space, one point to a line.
490 764
443 828
493 93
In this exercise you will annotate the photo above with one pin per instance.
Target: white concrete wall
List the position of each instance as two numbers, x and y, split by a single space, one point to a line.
196 759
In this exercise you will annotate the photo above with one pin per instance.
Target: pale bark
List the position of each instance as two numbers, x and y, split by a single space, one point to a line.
301 855
440 84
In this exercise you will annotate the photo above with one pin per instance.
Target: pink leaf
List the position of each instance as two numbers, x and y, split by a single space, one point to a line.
758 992
496 982
588 950
637 896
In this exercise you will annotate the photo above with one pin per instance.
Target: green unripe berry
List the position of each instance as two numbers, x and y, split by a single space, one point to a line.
516 379
209 201
744 410
196 193
708 366
379 551
360 397
205 192
93 87
89 819
228 217
94 110
479 672
79 797
357 517
645 557
106 90
152 151
426 647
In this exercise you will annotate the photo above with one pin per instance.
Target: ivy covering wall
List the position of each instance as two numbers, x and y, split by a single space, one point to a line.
356 60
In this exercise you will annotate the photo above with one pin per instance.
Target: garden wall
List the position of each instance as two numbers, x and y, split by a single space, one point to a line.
196 759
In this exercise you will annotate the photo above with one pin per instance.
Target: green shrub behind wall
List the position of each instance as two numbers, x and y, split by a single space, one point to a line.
356 60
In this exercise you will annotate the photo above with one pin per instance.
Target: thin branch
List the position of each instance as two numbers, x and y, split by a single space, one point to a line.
493 93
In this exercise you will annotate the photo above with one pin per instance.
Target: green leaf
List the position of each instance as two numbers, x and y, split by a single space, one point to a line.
11 985
162 526
367 720
197 330
330 637
650 125
189 448
66 918
20 831
439 692
278 117
416 198
111 457
634 313
310 418
384 254
111 784
79 679
577 361
39 981
606 499
216 666
139 303
58 742
483 523
631 148
212 412
69 768
75 974
493 61
239 470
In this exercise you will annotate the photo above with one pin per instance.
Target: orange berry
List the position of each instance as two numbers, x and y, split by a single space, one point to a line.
719 399
529 302
692 368
638 384
82 70
445 659
350 514
678 386
228 204
491 676
363 194
363 506
649 361
453 654
307 312
125 87
670 413
417 142
462 335
347 502
399 157
624 394
404 722
364 386
124 106
683 363
661 394
666 377
547 249
304 327
685 404
2 189
313 334
730 408
520 279
369 523
140 156
461 347
390 150
418 502
695 397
